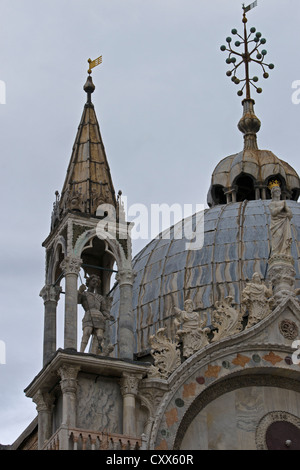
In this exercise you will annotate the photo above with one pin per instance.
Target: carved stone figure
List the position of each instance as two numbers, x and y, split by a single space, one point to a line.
257 299
281 235
192 333
165 353
97 312
226 319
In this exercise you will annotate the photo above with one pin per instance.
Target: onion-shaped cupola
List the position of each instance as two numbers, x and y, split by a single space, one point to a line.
246 175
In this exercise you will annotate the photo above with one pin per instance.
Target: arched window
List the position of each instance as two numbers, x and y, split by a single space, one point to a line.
218 194
245 188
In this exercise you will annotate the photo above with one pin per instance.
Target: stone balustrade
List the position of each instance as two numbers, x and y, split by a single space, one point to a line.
79 439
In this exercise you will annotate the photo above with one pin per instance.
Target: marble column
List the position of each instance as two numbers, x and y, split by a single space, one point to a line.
50 295
125 279
129 389
71 267
68 384
44 405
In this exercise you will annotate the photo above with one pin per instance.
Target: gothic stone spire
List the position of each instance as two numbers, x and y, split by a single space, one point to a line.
88 181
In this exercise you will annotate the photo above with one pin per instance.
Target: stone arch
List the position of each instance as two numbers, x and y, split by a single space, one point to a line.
244 185
217 194
190 386
58 252
229 384
112 245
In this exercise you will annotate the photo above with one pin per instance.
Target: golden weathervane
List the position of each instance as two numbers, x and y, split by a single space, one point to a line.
94 63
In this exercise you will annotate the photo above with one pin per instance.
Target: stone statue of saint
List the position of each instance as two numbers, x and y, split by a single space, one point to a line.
257 300
192 333
281 235
97 312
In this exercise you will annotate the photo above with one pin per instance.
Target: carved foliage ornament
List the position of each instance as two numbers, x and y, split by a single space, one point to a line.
129 384
43 401
68 376
166 355
226 319
50 293
71 265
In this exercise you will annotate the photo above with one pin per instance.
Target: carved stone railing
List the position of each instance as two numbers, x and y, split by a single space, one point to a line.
82 439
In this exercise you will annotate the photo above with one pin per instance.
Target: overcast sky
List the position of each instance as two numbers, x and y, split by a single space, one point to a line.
167 112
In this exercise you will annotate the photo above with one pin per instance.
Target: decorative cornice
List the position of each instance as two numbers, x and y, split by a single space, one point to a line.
88 363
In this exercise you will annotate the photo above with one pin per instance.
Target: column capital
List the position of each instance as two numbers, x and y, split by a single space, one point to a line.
50 293
68 376
125 276
129 384
71 265
43 401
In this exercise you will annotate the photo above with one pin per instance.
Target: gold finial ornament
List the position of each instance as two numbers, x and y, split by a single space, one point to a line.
273 184
94 63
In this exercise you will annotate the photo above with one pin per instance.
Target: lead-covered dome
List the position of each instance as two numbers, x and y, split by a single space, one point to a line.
236 244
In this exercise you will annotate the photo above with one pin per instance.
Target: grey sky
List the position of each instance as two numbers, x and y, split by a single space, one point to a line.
167 115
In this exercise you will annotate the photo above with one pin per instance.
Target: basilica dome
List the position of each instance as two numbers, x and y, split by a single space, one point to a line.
236 241
236 244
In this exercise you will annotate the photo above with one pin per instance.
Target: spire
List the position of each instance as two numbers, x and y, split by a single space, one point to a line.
249 124
88 181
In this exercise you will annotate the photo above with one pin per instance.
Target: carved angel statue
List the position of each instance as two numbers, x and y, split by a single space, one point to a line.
165 353
226 319
257 299
281 214
97 314
193 332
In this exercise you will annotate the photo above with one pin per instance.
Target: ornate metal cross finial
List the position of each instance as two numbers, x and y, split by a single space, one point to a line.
247 56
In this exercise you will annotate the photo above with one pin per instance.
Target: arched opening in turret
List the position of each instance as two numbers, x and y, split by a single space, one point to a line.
295 194
244 188
97 259
218 195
